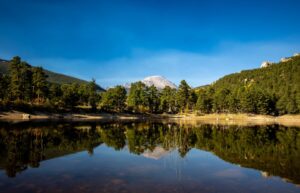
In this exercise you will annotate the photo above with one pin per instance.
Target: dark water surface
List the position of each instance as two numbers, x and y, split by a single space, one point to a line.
148 157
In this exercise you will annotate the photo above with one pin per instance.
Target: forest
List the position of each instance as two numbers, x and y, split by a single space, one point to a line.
274 90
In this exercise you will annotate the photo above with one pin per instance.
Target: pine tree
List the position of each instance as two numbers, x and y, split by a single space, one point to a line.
204 102
55 94
26 81
221 100
183 95
39 84
167 100
93 96
114 99
192 100
4 85
153 99
70 96
15 78
137 97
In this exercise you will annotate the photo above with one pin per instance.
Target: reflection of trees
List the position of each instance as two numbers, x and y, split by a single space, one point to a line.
272 149
21 148
113 137
143 137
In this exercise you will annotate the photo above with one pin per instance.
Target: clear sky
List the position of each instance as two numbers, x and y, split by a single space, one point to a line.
119 41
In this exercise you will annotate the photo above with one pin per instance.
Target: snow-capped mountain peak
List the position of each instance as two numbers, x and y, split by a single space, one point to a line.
159 82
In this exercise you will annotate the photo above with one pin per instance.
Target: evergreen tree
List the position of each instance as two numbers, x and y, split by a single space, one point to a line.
55 94
248 101
4 85
221 101
15 78
84 93
192 100
93 96
70 96
26 81
204 102
114 99
167 100
137 97
183 95
153 99
20 80
39 84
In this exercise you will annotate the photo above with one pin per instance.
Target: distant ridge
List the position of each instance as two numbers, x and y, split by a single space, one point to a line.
53 77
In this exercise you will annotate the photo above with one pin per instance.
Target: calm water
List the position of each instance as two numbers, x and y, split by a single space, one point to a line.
148 157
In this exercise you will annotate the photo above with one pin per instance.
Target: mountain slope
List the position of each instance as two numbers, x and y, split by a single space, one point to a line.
53 77
276 78
273 89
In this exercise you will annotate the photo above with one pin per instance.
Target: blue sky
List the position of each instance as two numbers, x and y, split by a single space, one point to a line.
119 41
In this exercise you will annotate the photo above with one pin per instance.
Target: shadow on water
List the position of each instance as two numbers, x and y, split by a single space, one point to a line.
274 150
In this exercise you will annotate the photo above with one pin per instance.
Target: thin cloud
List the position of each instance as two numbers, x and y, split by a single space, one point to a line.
196 68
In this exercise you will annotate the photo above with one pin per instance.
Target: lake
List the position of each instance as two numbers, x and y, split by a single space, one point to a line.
148 157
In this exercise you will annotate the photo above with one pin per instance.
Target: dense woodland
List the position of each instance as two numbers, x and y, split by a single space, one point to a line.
274 90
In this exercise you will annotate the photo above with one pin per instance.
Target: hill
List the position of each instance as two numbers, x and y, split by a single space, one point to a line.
277 86
277 78
52 77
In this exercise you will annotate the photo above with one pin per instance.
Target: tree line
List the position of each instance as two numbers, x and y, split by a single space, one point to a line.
25 84
273 91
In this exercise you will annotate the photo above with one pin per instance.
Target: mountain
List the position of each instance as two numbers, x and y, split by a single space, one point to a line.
157 153
159 82
53 77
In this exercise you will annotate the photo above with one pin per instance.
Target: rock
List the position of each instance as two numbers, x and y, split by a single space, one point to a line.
25 116
296 54
285 59
266 64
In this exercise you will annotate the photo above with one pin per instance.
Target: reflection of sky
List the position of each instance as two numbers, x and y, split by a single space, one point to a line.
114 171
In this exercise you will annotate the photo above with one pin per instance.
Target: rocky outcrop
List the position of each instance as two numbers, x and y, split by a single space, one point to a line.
296 54
266 64
285 59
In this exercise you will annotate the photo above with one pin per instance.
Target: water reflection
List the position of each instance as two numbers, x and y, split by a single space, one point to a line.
273 150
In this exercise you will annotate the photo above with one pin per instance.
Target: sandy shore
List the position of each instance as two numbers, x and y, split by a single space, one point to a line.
224 119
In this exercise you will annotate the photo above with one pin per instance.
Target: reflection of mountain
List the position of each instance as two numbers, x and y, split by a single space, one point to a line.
157 153
272 149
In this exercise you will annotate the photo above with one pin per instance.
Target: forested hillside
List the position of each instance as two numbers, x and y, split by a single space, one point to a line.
52 77
277 78
271 90
22 85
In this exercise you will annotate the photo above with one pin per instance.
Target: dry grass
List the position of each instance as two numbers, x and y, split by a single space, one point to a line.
223 119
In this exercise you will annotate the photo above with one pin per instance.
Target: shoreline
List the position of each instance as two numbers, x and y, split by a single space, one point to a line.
222 119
